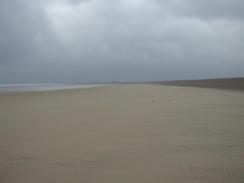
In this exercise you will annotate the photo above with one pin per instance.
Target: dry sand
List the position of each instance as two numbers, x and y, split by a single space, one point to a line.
122 134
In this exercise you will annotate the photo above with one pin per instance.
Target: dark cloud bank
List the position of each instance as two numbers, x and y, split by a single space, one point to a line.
128 40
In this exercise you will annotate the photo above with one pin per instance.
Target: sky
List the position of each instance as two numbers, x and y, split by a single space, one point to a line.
122 40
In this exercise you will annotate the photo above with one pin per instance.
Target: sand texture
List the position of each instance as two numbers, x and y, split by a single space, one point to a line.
122 134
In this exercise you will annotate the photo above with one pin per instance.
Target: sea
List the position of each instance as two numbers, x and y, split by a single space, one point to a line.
43 87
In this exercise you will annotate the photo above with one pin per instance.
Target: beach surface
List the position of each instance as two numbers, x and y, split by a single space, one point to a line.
122 133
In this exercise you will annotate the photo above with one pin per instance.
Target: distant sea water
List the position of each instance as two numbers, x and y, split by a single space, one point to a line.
43 87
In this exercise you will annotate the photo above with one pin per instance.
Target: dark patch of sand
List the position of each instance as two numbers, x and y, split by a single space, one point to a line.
225 83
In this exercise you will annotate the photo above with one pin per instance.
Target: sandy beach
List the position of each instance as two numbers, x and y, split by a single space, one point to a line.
122 134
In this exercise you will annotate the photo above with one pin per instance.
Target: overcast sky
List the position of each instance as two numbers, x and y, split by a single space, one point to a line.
125 40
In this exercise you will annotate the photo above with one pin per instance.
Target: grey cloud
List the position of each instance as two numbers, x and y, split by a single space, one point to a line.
104 40
207 9
219 8
23 25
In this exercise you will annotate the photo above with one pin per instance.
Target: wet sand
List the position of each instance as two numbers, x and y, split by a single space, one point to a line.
224 83
122 133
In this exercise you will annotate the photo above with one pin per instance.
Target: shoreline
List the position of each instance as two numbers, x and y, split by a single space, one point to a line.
16 88
232 84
